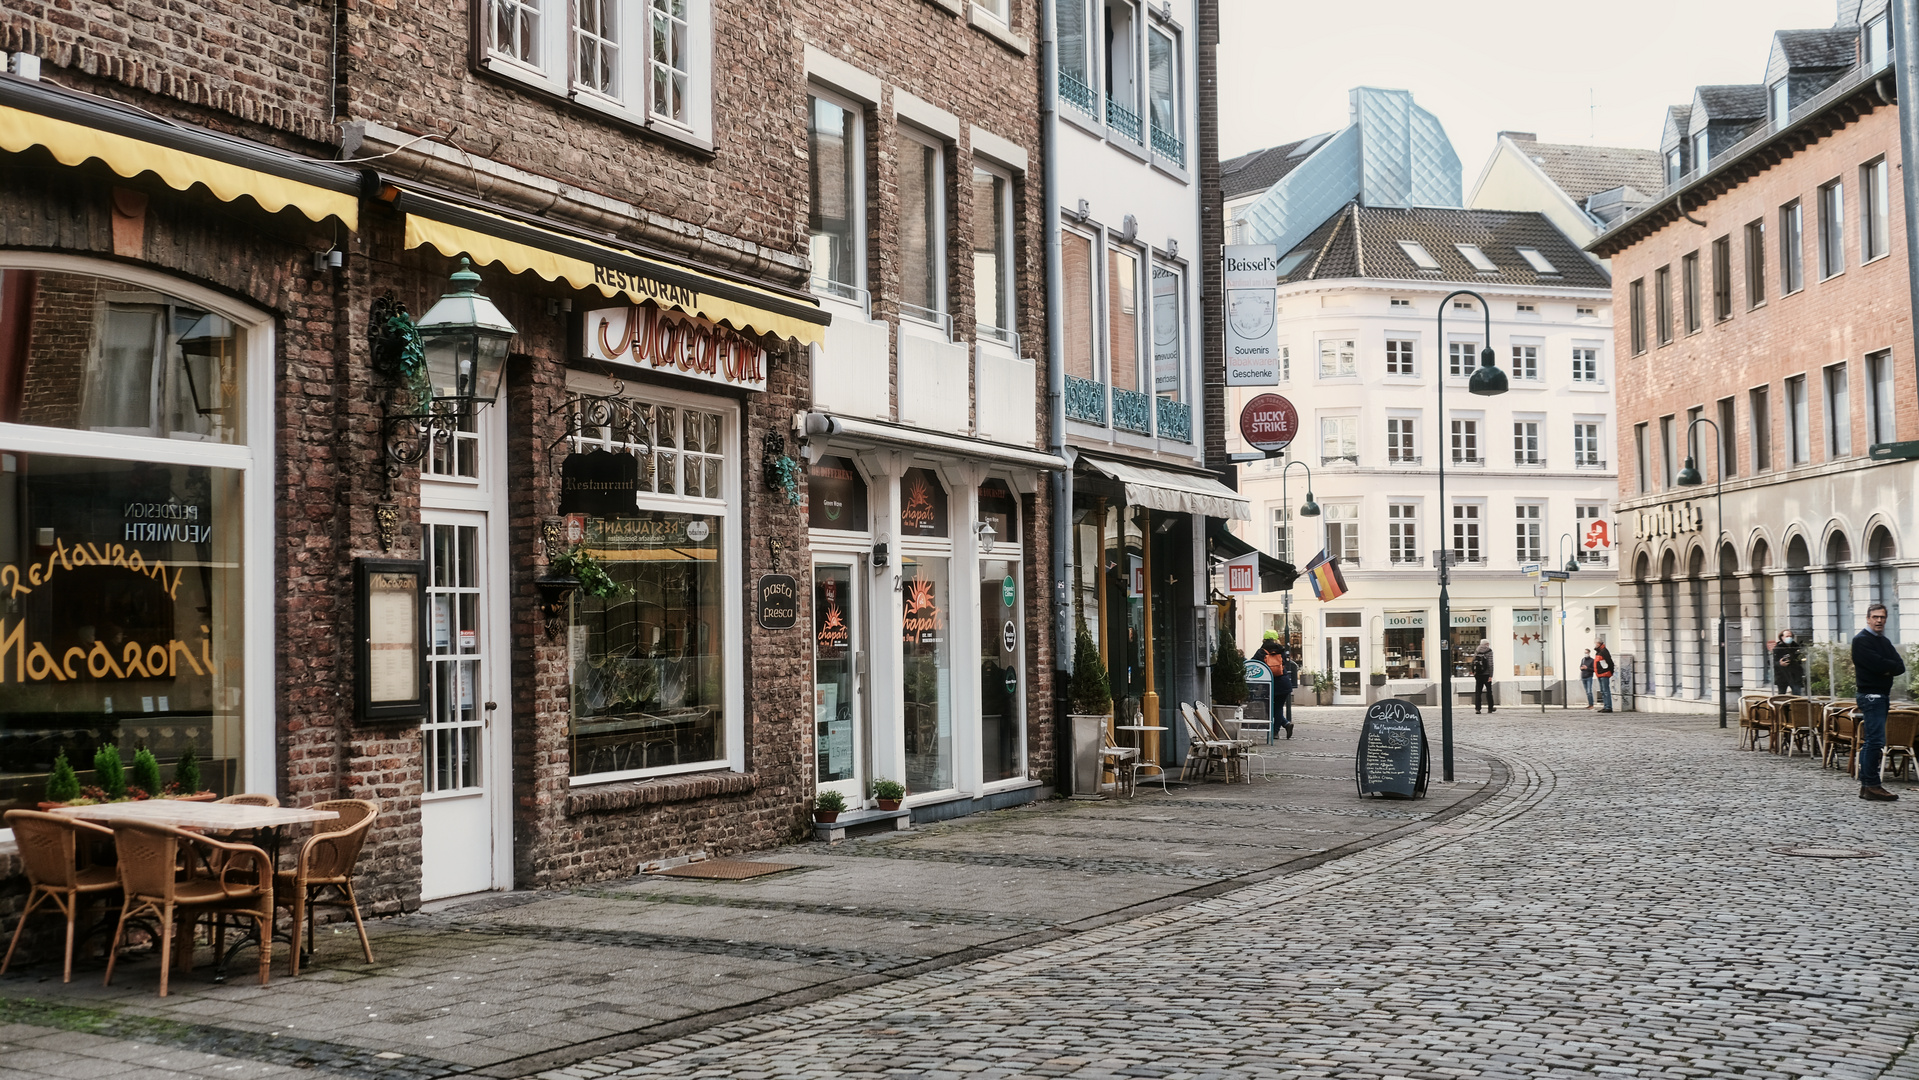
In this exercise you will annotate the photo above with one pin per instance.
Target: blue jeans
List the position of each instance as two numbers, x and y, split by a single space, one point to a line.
1605 692
1587 682
1872 736
1282 706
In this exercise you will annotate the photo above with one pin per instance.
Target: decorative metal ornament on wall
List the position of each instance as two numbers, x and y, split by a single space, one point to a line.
610 417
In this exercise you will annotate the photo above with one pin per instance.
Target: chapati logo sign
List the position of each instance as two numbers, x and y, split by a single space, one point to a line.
1269 423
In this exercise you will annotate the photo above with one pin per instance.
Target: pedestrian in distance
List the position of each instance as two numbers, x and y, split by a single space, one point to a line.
1273 655
1483 677
1788 664
1603 668
1586 676
1876 662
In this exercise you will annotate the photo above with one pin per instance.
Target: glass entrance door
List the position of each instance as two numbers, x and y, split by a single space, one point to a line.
456 824
837 690
1348 687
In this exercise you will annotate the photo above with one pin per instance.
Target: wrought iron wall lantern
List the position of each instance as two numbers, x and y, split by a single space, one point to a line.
439 370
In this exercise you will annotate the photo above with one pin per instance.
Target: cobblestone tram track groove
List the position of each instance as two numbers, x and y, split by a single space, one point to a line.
1554 929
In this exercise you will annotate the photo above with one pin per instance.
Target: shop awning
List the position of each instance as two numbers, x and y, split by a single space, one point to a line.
74 129
1274 575
846 431
520 246
1182 493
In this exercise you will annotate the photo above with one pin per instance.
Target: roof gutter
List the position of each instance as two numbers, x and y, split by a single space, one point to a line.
1905 68
1061 481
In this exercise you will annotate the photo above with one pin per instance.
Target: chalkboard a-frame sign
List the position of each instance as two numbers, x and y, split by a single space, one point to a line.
1392 758
390 676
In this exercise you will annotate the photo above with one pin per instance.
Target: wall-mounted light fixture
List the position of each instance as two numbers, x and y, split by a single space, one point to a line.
987 534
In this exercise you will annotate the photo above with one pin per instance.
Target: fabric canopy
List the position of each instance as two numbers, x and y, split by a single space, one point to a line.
519 247
1181 493
75 130
1274 575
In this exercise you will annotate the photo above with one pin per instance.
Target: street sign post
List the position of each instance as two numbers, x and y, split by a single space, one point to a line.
1555 575
1530 569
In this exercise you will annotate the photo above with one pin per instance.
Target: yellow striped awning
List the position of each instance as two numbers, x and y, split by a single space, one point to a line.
520 247
75 129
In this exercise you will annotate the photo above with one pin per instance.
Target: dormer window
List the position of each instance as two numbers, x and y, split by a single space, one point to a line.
1418 255
1878 43
1699 155
1478 258
1537 261
1291 262
1675 165
1780 103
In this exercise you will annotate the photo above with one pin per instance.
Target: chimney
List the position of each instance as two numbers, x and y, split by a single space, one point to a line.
1519 136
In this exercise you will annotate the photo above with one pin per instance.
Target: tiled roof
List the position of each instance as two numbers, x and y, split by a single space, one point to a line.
1583 170
1815 49
1744 102
1363 242
1261 169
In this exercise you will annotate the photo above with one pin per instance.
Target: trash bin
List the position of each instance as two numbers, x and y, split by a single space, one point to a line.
1089 735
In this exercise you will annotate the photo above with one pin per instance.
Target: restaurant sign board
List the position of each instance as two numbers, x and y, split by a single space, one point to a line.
648 337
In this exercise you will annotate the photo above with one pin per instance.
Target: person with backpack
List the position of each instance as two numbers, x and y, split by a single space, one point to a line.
1602 670
1483 677
1273 655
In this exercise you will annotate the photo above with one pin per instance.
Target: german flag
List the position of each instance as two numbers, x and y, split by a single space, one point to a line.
1328 582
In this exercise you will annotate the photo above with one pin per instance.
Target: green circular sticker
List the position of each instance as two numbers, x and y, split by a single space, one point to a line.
1006 593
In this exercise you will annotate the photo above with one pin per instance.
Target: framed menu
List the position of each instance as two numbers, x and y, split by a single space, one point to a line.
391 677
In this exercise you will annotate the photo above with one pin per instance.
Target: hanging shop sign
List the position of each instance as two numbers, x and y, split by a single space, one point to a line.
1598 535
1269 423
923 504
644 336
1672 519
1251 280
835 495
779 602
599 482
1242 575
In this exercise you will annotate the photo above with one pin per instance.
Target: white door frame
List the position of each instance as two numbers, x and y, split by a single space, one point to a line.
860 642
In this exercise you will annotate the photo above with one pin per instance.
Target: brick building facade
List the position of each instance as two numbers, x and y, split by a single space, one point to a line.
1766 292
308 169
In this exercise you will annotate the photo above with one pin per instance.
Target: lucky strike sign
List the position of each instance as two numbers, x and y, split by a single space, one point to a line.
647 337
1269 422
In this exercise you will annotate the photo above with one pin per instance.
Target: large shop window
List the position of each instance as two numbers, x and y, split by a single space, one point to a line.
926 656
650 664
122 606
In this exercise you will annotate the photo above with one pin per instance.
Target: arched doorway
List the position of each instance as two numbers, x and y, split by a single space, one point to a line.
1880 551
1839 587
1669 589
1799 589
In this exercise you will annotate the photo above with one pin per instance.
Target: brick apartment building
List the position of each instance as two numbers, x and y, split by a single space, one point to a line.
211 216
1765 292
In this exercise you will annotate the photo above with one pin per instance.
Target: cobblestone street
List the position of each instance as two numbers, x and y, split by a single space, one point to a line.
1592 898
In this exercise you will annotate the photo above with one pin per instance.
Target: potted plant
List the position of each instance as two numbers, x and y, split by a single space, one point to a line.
888 793
186 780
1379 676
1229 679
63 786
110 773
1322 687
143 781
827 806
1089 694
576 568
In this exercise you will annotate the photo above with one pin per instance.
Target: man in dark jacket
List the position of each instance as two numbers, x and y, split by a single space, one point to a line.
1274 656
1603 670
1876 661
1482 667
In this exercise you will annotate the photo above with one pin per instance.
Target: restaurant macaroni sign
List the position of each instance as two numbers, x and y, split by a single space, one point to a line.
646 336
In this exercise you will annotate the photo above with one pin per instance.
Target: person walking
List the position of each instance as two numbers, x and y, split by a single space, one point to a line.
1586 676
1273 655
1602 670
1788 664
1483 676
1875 661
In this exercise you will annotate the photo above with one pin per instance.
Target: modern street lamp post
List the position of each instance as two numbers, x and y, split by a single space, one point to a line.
1689 477
1487 381
1308 509
1572 567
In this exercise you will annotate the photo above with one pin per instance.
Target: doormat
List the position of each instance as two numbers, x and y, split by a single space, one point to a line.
724 869
1827 852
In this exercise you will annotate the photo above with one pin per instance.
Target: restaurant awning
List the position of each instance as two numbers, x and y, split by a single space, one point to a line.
1182 493
521 246
1274 575
76 128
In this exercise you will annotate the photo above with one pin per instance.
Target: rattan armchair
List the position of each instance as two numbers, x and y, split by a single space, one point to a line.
1841 735
251 799
326 861
50 846
242 884
1902 726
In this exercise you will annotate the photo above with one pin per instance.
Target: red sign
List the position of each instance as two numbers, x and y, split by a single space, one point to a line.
1598 538
1269 423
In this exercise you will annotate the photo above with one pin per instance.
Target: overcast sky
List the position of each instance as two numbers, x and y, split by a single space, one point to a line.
1485 66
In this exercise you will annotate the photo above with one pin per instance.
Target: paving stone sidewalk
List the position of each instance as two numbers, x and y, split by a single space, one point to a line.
516 984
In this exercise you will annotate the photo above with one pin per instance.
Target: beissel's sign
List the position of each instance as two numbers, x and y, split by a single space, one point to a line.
649 337
1250 275
1672 519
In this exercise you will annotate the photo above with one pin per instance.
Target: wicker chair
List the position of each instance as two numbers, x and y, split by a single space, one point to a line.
149 861
1841 735
251 800
1902 726
50 845
1755 720
326 861
1799 727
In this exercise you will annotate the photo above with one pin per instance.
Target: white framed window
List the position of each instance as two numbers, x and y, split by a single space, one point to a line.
1419 256
1526 448
1162 95
1342 532
1466 522
1338 358
1402 533
1401 356
1792 247
1879 410
1525 308
992 9
1779 102
993 254
1875 238
1461 358
1339 440
1527 528
1537 261
836 178
1584 312
1586 514
1122 70
1526 362
1798 421
1701 152
1586 444
1075 28
1477 258
1122 317
1169 331
1401 302
922 236
1465 442
1586 364
649 61
1838 412
1402 440
1285 363
1282 535
1877 41
1832 229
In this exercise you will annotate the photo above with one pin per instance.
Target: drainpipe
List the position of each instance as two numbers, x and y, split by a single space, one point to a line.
1062 480
1905 70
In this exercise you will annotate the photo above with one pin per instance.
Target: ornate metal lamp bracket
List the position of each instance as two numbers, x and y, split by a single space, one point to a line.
624 418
